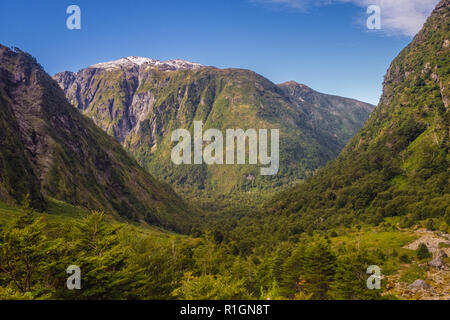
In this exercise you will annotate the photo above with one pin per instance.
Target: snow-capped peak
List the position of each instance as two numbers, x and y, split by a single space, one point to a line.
140 61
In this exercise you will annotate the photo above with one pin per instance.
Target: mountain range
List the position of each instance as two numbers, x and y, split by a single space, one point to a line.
140 101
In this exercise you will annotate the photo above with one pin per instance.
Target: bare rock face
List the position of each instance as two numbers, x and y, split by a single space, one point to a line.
419 284
438 261
65 79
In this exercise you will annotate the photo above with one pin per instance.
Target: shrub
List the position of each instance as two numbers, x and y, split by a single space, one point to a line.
404 258
423 252
430 225
443 245
444 227
394 253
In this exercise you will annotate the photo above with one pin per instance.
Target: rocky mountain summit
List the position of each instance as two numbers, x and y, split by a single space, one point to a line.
132 61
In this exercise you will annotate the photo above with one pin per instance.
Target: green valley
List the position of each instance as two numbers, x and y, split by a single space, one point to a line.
359 210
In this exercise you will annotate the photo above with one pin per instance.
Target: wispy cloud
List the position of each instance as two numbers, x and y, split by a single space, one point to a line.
404 17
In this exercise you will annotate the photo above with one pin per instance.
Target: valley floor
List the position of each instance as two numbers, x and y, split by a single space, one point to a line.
141 262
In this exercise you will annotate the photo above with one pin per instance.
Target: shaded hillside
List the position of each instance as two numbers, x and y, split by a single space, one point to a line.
49 149
342 117
17 177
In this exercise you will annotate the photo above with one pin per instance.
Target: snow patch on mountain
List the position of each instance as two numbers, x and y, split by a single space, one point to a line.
177 64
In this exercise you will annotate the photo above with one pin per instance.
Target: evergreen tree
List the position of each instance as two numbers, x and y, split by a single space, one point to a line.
209 287
26 254
350 281
293 269
423 252
318 269
104 262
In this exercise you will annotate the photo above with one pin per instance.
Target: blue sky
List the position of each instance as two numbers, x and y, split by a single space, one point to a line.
325 46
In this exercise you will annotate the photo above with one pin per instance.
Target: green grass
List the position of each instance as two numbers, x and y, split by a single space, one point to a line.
412 273
62 210
63 213
385 241
371 237
56 210
8 212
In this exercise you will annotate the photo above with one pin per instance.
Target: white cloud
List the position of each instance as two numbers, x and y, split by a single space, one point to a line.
398 16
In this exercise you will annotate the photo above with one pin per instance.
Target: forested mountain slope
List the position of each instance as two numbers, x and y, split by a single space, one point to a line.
342 117
398 164
48 148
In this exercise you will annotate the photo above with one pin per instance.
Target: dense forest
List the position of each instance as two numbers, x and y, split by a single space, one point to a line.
121 261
